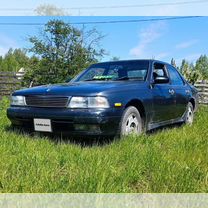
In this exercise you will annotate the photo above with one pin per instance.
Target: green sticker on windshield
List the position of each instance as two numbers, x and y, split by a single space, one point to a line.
103 77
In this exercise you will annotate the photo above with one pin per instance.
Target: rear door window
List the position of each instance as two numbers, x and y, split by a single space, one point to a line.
175 78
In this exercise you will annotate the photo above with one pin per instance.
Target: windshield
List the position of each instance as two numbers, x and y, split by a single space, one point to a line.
121 70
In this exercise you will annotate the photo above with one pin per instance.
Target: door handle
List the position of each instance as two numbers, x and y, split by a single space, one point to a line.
187 91
171 91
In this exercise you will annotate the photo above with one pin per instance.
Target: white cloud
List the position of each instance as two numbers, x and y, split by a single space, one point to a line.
6 43
146 37
187 44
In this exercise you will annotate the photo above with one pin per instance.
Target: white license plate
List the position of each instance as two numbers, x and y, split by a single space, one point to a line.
43 125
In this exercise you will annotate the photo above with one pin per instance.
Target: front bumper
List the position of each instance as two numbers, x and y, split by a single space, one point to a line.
65 121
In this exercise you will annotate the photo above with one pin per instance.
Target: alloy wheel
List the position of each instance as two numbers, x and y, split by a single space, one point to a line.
132 124
190 115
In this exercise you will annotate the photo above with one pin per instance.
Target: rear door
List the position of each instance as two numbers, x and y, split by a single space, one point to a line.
180 89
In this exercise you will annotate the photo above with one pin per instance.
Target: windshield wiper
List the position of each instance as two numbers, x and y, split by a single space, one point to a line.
122 78
129 78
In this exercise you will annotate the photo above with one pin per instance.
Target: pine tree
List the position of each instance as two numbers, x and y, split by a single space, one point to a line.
202 66
173 62
189 72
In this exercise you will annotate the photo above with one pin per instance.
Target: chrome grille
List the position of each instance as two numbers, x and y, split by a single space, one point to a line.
47 101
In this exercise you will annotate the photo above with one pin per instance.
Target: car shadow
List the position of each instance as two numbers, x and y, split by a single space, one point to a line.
81 141
63 139
84 141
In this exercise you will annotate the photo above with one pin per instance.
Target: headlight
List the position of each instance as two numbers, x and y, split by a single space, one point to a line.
18 100
88 102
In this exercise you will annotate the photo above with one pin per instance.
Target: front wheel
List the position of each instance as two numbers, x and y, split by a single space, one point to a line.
131 122
189 117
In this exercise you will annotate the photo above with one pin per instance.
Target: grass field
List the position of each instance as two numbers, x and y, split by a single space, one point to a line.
169 160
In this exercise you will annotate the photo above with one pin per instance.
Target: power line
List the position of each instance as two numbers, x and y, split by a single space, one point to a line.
103 22
139 5
115 6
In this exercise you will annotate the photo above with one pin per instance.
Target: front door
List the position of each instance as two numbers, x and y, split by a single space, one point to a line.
164 97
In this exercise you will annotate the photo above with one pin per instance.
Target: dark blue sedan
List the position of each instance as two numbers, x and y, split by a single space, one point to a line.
108 99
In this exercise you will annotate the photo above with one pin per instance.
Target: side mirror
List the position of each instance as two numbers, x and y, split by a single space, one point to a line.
161 80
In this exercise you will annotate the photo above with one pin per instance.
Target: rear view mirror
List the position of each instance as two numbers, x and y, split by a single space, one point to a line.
161 80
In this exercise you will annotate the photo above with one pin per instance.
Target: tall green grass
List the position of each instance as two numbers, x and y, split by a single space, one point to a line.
169 160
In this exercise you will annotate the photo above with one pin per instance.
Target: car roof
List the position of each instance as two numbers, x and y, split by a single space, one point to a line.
131 60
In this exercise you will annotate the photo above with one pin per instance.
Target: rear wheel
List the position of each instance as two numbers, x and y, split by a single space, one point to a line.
131 122
189 118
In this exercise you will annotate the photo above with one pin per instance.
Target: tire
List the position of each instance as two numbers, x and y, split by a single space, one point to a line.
131 122
189 116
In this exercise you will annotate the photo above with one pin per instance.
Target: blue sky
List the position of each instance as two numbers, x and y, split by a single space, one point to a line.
184 38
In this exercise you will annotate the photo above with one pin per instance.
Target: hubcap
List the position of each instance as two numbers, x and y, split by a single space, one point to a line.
132 124
190 116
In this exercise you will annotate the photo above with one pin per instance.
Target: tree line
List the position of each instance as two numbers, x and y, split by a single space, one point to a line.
193 72
61 51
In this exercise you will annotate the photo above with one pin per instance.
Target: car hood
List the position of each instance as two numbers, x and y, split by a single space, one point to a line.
79 88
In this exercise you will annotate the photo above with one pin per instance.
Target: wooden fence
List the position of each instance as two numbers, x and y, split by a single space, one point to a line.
202 87
11 81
